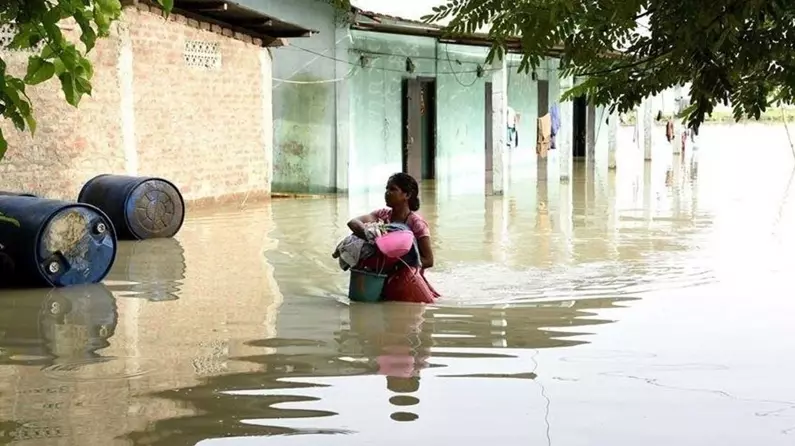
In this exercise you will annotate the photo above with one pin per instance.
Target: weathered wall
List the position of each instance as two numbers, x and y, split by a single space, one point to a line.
523 98
69 146
154 111
304 97
376 121
461 123
184 111
376 98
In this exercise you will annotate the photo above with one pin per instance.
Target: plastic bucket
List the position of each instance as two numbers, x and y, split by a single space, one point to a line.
365 286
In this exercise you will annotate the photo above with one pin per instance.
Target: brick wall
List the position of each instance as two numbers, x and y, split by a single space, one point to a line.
200 127
69 146
207 129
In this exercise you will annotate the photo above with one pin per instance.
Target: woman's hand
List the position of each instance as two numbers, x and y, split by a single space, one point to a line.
357 225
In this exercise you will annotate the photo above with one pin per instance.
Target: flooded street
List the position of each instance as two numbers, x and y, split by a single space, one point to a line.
645 306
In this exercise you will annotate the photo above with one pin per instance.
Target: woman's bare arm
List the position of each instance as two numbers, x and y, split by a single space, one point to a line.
426 252
356 225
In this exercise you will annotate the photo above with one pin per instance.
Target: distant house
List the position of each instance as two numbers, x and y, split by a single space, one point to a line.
373 94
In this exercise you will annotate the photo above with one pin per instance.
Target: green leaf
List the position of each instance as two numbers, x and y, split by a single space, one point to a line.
83 85
69 87
167 5
26 34
88 36
69 56
110 7
3 145
102 20
39 70
19 121
30 121
85 68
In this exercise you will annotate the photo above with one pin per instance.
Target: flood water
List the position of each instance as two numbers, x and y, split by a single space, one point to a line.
645 306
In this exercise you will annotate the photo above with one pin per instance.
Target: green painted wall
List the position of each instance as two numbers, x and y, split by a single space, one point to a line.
305 98
376 103
376 119
461 123
523 98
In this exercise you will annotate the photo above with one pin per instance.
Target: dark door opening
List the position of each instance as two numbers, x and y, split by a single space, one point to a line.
419 128
543 98
579 121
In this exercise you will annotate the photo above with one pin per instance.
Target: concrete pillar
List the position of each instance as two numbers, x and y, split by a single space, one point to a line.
343 97
499 122
648 128
679 106
266 76
612 141
564 138
496 220
591 129
612 214
648 192
566 213
124 69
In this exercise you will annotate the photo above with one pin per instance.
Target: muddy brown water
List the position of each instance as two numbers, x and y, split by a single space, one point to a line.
651 306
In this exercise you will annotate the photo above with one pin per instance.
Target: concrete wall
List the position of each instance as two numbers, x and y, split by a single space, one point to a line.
305 97
461 120
376 140
153 111
70 146
376 121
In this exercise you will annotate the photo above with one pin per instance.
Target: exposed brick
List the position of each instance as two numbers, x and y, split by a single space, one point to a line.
70 146
201 129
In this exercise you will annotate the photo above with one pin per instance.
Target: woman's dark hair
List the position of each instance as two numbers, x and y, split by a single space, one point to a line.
408 184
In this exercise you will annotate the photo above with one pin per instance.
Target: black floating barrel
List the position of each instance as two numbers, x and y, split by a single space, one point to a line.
16 194
52 243
139 207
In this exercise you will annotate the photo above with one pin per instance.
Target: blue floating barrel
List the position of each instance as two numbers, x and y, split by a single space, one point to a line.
52 243
139 207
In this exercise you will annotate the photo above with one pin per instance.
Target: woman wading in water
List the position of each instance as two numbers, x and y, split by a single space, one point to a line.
407 284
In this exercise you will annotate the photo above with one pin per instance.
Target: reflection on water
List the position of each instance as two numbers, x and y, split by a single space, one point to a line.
45 327
153 269
638 306
369 369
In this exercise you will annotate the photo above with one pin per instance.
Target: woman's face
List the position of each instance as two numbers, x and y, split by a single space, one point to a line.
394 196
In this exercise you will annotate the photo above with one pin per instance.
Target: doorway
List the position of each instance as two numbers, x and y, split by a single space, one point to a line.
579 125
419 128
543 98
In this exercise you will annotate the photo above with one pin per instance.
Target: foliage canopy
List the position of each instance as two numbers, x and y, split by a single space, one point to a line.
739 53
37 30
735 52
